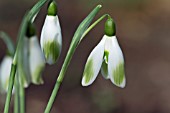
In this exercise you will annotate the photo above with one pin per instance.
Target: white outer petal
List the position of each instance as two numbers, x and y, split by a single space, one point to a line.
97 57
36 59
51 31
25 66
5 69
115 58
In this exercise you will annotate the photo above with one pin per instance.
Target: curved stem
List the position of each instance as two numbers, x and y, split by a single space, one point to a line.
74 44
22 97
16 95
10 87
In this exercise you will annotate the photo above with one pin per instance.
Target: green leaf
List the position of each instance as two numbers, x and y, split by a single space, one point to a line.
83 26
7 39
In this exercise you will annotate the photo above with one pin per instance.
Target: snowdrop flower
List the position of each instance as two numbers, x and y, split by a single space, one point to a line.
33 59
51 38
108 57
36 61
5 69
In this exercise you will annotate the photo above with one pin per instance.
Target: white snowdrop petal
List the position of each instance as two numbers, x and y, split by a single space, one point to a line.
5 69
51 39
36 61
116 64
93 64
23 66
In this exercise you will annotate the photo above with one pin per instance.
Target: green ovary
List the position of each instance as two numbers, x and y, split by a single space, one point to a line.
119 74
89 72
51 50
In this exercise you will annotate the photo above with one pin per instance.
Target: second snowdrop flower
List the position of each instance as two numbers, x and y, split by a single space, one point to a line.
108 56
36 57
51 37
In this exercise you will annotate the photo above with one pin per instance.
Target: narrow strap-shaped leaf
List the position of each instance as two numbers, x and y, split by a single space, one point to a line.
7 39
84 25
77 37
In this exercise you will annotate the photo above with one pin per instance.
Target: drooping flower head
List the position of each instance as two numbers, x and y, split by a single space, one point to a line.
36 58
108 57
32 60
51 37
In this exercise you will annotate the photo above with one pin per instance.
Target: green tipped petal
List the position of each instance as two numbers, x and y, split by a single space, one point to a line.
51 51
93 64
119 74
23 63
36 61
37 78
51 39
89 71
116 64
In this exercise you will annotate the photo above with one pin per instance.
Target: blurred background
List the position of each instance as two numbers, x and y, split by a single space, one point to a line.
143 32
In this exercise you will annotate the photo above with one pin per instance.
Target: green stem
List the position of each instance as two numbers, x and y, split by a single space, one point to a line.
21 34
22 97
69 55
16 96
10 87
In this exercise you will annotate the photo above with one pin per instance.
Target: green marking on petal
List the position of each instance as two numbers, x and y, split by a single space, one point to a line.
51 50
106 56
104 70
89 72
37 75
119 74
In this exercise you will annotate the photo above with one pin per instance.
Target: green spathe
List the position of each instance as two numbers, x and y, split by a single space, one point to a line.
51 50
110 27
52 9
119 74
89 71
31 31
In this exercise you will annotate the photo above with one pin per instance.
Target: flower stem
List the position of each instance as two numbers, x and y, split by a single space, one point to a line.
16 95
10 87
75 41
22 97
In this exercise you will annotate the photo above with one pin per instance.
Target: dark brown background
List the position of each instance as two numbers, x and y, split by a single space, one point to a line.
143 30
